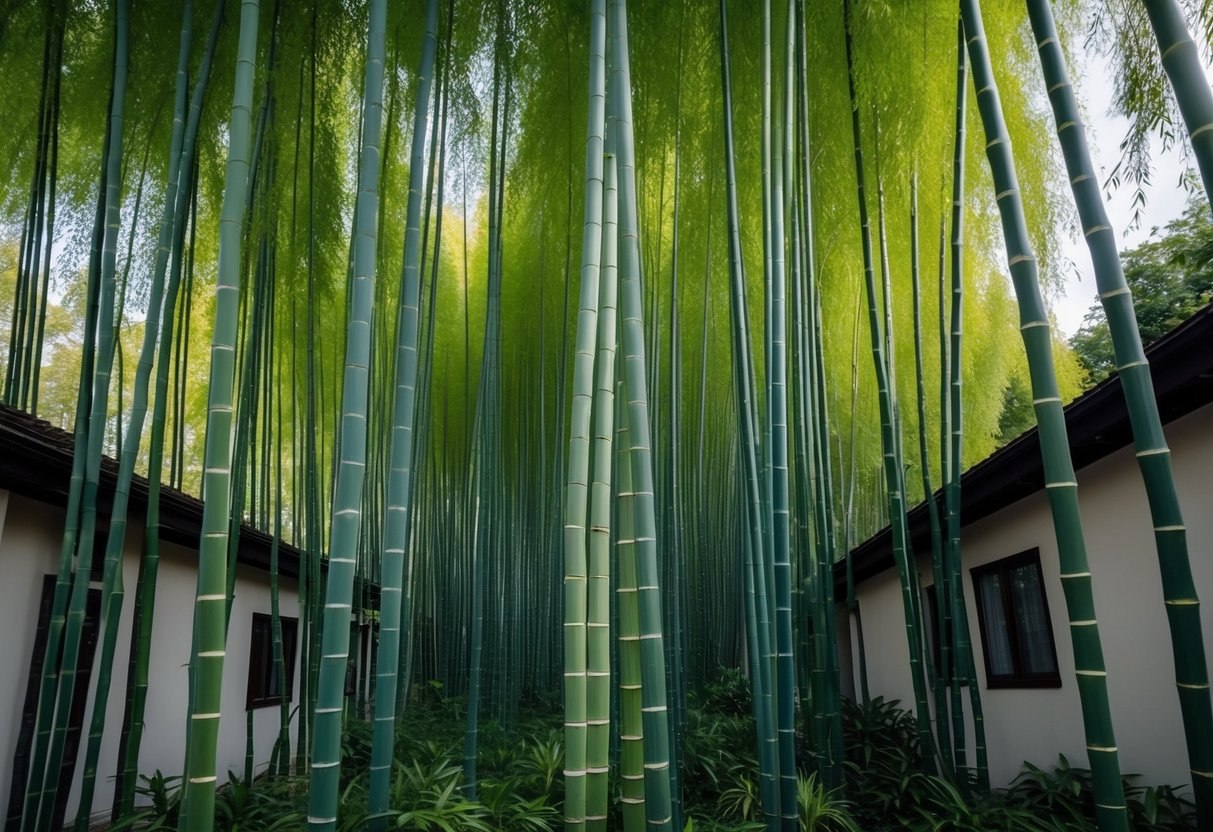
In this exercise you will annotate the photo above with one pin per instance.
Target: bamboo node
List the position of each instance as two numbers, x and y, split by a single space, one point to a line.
1179 44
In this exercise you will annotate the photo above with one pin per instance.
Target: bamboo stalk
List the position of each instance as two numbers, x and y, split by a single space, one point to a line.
1153 455
1060 483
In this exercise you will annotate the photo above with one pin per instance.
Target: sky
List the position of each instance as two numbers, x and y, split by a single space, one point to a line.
1165 196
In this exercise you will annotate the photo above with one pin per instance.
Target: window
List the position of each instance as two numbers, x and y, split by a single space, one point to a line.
29 712
1016 633
264 688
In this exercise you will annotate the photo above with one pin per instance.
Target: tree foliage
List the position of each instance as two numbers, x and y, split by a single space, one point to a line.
1171 277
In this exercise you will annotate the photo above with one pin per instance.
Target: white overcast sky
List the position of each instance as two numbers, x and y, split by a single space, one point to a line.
1165 196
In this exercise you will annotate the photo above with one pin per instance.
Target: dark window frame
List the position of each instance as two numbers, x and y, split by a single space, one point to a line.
75 728
1018 678
261 661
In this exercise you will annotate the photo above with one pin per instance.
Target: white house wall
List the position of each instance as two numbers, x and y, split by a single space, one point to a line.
1037 724
30 540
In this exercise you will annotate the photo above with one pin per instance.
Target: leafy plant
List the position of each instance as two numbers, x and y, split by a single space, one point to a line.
822 810
542 762
742 799
1160 809
165 796
940 807
510 811
241 804
729 694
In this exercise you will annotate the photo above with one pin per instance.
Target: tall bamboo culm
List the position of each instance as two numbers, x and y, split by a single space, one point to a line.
598 589
42 809
1153 455
351 467
658 812
753 573
577 487
890 446
1060 484
1182 62
400 474
964 669
112 598
210 608
141 629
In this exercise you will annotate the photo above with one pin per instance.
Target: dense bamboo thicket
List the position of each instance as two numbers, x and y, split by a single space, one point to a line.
572 346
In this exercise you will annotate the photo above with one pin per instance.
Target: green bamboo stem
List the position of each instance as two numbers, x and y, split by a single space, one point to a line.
757 628
280 758
822 479
112 599
1153 455
485 451
1182 62
803 540
780 508
940 671
848 520
654 709
34 737
578 485
1060 484
598 619
59 26
399 498
21 330
893 475
313 525
631 723
942 569
963 664
47 784
675 511
210 612
347 503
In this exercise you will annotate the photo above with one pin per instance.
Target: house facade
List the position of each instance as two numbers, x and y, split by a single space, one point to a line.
1010 573
34 468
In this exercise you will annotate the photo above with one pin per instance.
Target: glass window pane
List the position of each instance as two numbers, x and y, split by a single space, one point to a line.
994 617
1031 621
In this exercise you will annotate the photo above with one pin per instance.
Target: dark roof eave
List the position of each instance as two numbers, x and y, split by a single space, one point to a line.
1181 364
36 462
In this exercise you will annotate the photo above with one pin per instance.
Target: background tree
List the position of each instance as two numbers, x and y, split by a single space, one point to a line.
1171 277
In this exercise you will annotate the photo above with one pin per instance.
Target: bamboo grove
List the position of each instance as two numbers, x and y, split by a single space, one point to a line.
531 419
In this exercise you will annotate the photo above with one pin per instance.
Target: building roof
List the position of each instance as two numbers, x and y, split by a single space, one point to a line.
1181 364
36 462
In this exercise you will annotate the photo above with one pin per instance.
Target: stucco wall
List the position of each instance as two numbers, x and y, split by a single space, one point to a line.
30 537
1037 724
